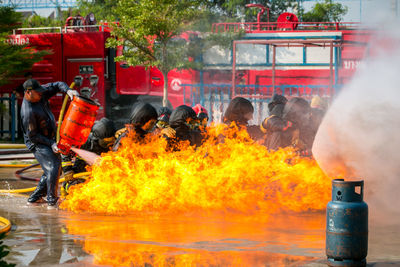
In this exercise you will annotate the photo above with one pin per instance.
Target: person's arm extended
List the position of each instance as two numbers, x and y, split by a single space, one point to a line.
54 88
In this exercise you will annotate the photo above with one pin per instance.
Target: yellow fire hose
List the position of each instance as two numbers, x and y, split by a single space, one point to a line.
14 165
12 146
30 189
5 225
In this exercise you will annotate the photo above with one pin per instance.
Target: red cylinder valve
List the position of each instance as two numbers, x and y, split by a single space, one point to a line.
77 123
287 21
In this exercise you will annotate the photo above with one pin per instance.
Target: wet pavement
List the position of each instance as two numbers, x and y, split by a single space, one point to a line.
42 237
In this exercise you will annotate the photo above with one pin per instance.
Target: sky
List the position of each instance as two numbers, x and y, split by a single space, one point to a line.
358 10
366 10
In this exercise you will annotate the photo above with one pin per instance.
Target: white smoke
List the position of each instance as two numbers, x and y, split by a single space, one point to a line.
360 134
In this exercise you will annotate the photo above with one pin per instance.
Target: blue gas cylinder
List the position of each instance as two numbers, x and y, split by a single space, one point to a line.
347 224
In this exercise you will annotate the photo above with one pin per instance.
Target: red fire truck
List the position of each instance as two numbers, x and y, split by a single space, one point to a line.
287 57
79 54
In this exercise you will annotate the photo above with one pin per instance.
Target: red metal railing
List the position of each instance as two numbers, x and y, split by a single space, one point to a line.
253 27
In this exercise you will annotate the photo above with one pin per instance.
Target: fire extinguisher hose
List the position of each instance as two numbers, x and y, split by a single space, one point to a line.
62 111
82 175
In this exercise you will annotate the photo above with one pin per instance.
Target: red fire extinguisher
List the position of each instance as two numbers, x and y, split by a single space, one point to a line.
77 123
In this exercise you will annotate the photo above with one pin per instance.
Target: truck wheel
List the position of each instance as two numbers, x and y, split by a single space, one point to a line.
113 94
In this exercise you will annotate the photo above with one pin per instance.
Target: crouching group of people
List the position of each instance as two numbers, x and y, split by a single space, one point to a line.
182 124
290 123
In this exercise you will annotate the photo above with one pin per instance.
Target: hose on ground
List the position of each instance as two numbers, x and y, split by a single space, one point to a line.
14 165
5 225
18 158
14 151
30 189
19 175
12 146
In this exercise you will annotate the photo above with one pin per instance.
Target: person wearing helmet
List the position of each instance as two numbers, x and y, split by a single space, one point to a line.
142 120
39 129
240 112
202 115
275 107
100 140
185 123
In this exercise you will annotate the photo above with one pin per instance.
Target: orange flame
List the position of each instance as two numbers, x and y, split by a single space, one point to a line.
233 175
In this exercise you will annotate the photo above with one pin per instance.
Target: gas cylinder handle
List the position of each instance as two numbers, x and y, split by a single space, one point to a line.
346 191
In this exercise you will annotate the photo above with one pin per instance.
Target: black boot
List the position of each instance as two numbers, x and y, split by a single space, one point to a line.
52 187
40 191
51 165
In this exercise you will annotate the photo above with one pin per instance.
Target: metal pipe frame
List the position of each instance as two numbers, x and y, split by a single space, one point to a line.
273 26
286 43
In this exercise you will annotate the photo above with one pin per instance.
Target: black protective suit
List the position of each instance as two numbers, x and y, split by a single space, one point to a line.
181 119
140 116
39 128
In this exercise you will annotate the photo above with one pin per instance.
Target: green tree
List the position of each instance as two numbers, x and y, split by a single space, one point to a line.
147 29
102 9
236 9
326 11
14 58
216 11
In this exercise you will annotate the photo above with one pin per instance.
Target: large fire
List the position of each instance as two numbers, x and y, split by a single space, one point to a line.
231 175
